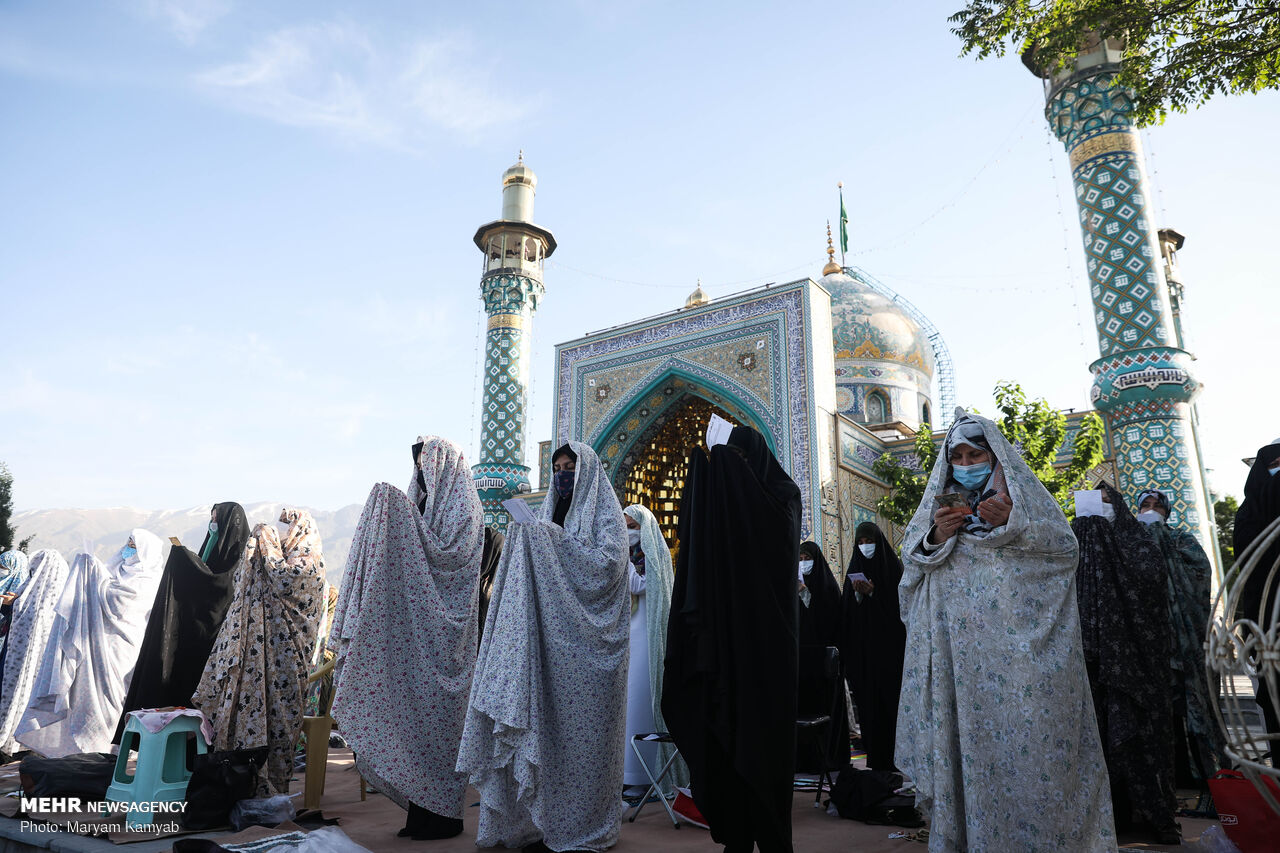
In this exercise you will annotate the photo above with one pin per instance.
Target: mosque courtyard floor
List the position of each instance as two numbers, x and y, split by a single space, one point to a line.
374 822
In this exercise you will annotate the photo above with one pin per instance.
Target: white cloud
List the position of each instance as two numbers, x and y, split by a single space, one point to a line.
335 76
187 18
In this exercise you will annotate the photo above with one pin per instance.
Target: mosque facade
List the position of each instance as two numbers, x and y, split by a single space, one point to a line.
834 372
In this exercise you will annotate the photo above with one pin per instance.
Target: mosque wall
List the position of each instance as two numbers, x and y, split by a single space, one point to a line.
751 354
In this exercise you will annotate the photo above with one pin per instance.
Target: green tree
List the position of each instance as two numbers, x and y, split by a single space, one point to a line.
1224 516
6 508
1177 53
1032 426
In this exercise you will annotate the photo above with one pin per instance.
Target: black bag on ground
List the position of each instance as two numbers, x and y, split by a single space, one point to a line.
87 775
218 781
868 796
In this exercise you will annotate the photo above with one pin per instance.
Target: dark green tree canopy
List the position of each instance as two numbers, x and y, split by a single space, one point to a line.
1178 53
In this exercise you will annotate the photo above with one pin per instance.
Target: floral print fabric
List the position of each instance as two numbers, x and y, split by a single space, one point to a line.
252 687
29 629
547 717
996 722
405 632
88 663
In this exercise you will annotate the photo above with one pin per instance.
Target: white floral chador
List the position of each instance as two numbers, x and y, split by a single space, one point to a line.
405 631
29 629
544 735
252 686
996 722
101 617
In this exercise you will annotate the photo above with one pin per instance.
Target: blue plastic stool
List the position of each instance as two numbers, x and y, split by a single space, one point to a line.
161 774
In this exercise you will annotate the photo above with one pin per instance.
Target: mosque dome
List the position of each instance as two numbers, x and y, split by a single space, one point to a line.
884 360
519 174
698 297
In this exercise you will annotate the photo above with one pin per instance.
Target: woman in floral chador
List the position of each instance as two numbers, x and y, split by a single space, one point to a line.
253 684
996 723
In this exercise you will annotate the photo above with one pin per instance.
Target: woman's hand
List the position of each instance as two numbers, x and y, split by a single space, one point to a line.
864 587
995 511
946 521
8 598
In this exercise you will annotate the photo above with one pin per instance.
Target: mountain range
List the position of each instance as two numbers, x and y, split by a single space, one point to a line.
105 531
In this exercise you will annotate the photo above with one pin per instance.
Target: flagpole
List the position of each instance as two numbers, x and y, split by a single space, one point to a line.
844 224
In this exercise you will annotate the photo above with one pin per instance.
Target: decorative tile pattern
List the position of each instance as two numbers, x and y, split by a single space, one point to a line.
1142 382
701 346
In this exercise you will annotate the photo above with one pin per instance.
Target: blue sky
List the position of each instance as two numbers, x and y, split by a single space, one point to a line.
237 261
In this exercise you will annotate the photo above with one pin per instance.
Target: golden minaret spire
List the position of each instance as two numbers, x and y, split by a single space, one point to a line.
832 266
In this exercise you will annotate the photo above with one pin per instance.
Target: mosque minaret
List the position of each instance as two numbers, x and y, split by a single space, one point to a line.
1143 383
511 287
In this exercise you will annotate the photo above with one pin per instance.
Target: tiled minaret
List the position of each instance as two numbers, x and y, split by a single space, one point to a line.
1142 383
511 287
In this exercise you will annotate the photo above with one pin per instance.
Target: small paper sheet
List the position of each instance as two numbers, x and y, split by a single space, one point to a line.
857 576
519 511
718 430
1089 503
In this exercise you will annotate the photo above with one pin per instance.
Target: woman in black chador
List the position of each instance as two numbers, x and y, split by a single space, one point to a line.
873 641
729 685
1261 506
819 627
190 605
1123 597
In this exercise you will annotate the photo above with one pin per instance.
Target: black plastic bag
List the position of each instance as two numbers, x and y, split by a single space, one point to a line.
86 776
218 781
868 796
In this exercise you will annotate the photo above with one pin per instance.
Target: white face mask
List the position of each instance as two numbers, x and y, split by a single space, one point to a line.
1149 516
633 537
868 550
806 566
1108 512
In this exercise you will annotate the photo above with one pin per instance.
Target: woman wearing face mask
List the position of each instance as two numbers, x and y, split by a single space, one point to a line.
818 627
1124 620
650 584
1261 506
253 684
186 615
33 618
405 637
873 641
1200 746
88 663
543 741
995 722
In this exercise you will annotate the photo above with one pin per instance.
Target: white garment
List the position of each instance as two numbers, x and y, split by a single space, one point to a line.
101 616
544 734
639 695
29 627
405 632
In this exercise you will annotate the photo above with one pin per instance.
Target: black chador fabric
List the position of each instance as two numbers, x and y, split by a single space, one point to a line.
873 641
489 559
819 627
1123 598
188 611
729 694
1260 507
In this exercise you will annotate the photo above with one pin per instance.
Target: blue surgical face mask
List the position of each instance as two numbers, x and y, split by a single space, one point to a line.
213 527
633 537
971 476
127 553
1273 471
562 481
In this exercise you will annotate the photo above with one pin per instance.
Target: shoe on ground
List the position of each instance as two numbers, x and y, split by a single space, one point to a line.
687 810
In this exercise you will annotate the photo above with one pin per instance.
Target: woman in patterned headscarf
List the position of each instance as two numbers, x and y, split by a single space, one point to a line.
13 574
33 617
545 725
88 663
253 684
996 722
405 637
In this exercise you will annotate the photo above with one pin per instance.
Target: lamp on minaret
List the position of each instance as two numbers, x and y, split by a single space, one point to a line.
1143 383
511 287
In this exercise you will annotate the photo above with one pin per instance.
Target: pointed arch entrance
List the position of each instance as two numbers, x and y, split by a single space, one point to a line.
649 445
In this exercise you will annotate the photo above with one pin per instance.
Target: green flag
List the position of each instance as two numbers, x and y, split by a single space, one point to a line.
844 227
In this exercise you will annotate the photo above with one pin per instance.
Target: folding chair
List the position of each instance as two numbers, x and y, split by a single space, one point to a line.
655 782
822 724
